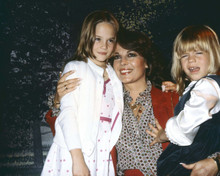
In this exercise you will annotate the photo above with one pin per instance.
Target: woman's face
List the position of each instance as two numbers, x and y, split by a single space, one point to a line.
129 66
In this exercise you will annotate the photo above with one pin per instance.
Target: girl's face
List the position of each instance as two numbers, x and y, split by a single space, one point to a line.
129 66
195 64
104 43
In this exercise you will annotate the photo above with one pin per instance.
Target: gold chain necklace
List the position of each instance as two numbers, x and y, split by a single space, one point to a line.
137 110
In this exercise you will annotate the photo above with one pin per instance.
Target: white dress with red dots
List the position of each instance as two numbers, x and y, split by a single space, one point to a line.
100 162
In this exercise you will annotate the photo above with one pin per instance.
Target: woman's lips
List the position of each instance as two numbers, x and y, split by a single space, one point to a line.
125 71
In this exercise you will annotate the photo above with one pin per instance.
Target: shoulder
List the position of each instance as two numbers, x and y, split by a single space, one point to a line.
74 65
208 83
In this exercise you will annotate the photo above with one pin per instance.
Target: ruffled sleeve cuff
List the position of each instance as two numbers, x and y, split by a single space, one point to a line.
175 135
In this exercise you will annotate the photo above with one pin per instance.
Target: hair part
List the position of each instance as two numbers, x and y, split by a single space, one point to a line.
88 33
192 38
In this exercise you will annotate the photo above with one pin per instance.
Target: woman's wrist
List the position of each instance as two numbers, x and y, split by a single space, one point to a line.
56 102
51 104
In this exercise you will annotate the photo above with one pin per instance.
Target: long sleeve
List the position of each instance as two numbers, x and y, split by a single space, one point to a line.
68 116
204 101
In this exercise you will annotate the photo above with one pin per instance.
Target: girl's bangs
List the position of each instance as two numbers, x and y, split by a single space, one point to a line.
191 45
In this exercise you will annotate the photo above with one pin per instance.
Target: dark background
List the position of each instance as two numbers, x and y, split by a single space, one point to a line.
36 37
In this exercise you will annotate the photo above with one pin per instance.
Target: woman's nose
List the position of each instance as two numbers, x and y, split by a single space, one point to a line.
124 61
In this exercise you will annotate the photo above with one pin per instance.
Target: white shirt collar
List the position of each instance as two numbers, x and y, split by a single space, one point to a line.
98 69
191 84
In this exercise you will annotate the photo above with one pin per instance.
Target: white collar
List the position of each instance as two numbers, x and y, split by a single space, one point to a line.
98 69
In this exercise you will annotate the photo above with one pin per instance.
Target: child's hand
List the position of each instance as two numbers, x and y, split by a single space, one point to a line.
79 167
158 133
168 86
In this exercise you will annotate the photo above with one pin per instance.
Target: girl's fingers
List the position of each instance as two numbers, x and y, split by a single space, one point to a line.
151 133
168 86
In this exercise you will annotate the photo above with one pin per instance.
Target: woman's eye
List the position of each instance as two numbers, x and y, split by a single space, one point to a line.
116 57
132 55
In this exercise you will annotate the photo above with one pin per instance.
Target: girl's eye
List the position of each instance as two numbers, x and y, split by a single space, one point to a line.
111 40
184 56
97 39
199 52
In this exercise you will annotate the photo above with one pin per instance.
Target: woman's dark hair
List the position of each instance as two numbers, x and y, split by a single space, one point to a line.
140 43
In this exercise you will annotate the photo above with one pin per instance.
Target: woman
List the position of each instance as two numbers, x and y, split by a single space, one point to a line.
136 65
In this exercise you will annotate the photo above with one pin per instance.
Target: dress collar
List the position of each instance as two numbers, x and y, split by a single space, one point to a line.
95 67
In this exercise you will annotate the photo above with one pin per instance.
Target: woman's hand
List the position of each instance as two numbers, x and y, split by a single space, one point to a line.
206 167
158 133
168 86
79 167
65 86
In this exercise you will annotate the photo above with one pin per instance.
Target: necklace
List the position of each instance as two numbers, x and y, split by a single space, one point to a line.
137 110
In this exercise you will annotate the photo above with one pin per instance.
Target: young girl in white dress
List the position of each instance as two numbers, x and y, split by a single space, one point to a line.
194 131
89 123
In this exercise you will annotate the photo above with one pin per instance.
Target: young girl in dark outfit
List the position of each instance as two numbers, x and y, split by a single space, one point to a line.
194 131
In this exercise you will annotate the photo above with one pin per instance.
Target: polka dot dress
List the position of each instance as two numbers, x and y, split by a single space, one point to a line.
101 163
59 161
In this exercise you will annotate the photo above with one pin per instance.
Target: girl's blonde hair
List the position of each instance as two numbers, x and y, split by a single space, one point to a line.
193 38
87 36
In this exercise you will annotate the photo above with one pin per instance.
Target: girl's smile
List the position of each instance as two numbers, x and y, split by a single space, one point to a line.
104 43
